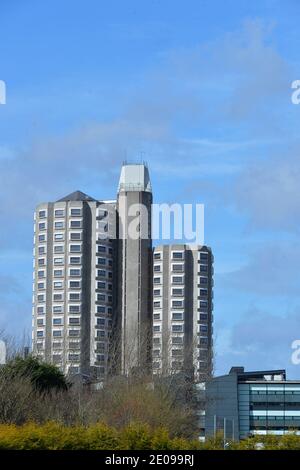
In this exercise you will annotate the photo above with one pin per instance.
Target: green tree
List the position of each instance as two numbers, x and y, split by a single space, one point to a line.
43 376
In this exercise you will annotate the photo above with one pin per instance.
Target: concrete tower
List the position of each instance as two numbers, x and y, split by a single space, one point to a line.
135 268
73 287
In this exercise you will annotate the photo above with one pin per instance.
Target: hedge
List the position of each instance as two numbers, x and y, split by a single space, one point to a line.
54 436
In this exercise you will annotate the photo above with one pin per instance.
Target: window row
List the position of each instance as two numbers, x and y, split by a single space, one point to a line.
60 225
73 211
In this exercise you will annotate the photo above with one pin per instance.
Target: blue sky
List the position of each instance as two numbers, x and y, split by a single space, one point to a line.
204 89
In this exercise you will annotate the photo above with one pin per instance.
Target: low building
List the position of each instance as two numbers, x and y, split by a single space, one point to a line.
242 404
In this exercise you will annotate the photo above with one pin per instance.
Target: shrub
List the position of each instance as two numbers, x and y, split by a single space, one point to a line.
53 436
43 376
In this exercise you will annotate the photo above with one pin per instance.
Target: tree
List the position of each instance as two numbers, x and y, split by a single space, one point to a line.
43 377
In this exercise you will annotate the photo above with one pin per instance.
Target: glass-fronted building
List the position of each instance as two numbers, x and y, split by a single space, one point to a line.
260 402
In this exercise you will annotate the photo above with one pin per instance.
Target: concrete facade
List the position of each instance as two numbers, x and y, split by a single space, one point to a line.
182 310
135 268
73 286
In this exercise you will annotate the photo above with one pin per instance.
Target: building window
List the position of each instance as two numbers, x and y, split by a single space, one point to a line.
74 284
177 255
177 340
203 280
57 297
156 292
74 296
40 322
177 316
101 261
156 316
42 226
58 261
203 268
74 308
57 321
177 268
177 303
177 352
41 285
58 237
40 333
101 249
100 309
177 279
203 317
156 340
178 292
101 321
42 214
41 262
100 334
203 304
74 357
57 333
75 248
101 273
156 304
75 223
41 274
57 309
75 272
41 298
40 309
157 280
74 333
59 224
157 268
76 212
101 297
203 329
177 328
75 260
58 285
101 285
203 292
58 273
42 250
203 256
59 213
100 357
74 321
156 328
157 255
58 248
42 238
75 236
203 341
